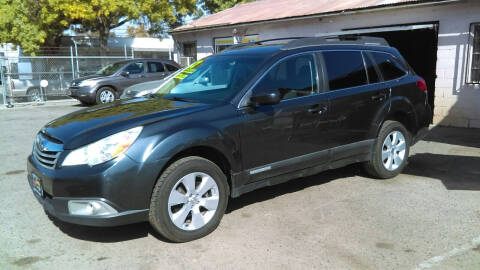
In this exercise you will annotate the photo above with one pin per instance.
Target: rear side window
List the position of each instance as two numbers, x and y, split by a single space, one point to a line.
389 66
155 67
344 69
171 68
294 77
371 71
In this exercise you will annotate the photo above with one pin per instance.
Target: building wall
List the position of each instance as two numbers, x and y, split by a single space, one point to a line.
456 103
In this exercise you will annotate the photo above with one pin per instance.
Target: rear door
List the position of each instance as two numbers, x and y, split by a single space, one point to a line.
155 71
356 96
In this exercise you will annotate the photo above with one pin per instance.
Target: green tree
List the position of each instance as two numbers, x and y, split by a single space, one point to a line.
103 15
213 6
137 31
31 23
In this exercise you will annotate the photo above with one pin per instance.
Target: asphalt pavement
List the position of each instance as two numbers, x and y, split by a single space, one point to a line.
426 218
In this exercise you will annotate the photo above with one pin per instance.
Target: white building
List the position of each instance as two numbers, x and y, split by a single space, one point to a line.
439 38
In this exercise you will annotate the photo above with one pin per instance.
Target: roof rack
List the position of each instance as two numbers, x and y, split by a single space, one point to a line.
259 42
335 40
319 39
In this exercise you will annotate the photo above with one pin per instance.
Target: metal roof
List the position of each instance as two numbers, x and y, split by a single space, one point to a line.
270 10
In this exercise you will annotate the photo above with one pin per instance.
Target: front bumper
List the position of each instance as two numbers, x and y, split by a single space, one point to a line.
85 93
119 183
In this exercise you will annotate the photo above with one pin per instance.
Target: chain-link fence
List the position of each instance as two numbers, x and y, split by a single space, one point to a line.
20 76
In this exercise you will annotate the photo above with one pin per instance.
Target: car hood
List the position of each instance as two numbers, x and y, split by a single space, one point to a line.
90 77
88 125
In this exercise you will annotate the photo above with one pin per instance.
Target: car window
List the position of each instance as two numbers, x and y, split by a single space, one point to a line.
171 68
135 68
212 79
388 65
371 70
294 77
155 67
344 69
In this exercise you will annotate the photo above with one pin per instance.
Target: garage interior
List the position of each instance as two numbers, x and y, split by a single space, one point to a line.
418 43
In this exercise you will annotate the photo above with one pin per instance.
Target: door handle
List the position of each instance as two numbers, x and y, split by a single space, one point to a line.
379 97
318 110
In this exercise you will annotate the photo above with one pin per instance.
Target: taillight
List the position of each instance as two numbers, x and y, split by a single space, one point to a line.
422 85
12 85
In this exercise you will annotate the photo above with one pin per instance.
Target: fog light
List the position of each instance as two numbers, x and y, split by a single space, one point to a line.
90 208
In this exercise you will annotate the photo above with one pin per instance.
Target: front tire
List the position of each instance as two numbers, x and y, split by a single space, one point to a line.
390 152
105 95
189 199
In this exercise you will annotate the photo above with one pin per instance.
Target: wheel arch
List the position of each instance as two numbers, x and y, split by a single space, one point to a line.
398 109
107 85
204 142
35 87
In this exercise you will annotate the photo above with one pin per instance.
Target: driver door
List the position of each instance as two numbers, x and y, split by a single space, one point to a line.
135 74
290 135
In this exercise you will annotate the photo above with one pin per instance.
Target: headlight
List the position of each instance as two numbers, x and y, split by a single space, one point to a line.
87 83
104 149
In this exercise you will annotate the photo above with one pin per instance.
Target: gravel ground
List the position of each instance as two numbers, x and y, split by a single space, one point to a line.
426 218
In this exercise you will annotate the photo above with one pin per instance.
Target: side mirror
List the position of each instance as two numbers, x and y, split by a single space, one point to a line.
265 97
124 74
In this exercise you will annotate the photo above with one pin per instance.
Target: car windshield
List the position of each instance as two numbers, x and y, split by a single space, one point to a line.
211 80
110 69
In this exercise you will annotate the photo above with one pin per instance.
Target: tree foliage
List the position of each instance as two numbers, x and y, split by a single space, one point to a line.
213 6
32 23
103 15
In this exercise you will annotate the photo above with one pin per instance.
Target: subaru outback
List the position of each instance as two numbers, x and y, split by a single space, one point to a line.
251 116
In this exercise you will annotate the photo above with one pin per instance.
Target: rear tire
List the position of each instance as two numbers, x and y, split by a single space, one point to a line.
189 199
390 152
34 95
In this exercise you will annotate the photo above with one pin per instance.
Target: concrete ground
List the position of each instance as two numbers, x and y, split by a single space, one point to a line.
426 218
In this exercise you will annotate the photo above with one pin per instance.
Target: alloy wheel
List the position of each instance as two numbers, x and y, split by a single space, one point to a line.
193 201
393 150
35 96
107 96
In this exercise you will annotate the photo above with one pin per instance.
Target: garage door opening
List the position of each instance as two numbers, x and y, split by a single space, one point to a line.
418 43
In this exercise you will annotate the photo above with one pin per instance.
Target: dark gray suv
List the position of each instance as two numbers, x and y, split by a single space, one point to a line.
108 83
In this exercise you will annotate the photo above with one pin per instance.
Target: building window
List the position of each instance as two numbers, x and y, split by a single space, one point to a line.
474 65
225 42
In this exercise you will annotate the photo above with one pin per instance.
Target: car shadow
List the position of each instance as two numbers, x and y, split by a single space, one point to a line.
81 105
456 172
141 230
455 136
108 234
295 185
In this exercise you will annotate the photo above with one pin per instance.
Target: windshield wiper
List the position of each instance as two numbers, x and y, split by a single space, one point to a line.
179 99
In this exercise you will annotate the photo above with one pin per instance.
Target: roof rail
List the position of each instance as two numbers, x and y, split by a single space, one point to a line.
335 40
278 39
259 42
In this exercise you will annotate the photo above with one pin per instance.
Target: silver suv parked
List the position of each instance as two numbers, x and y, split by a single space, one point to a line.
109 82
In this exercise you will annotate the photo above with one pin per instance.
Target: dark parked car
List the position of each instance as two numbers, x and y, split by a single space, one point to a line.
109 82
252 116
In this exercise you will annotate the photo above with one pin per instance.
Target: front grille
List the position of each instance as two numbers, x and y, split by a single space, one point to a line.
45 151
